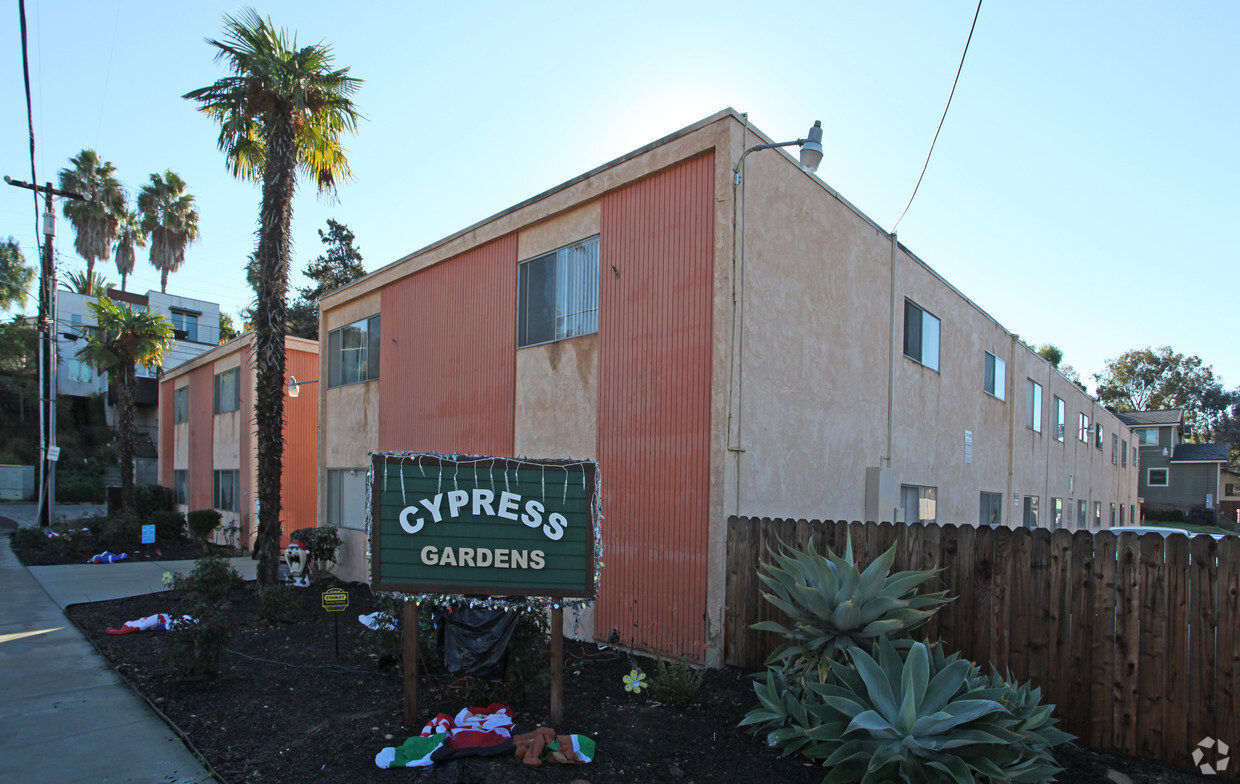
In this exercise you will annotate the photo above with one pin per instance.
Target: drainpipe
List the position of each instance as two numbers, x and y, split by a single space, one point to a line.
736 369
891 359
1011 402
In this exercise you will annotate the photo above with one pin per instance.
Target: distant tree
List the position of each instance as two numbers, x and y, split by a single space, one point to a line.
129 237
87 282
94 218
341 264
228 330
16 277
1051 353
302 319
1152 379
171 220
18 341
121 339
282 109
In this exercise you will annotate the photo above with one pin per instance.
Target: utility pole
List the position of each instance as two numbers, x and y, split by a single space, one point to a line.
48 451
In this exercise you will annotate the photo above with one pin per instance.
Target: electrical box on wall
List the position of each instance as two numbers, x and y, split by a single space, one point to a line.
881 498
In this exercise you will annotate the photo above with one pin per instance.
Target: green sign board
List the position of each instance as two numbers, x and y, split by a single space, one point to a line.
483 525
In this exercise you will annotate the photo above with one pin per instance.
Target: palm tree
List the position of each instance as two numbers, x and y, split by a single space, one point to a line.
282 109
122 338
89 283
94 218
169 217
129 237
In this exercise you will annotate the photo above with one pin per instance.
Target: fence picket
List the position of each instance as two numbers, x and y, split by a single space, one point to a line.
1059 617
1151 648
1039 604
1175 655
1102 683
1227 683
1077 710
1127 618
1203 552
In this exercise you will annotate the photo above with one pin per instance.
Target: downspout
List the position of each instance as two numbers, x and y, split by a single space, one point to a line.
886 460
1011 402
736 369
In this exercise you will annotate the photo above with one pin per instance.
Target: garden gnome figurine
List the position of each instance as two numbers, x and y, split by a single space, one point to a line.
297 556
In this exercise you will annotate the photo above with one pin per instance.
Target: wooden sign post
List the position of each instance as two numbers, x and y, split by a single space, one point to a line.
483 526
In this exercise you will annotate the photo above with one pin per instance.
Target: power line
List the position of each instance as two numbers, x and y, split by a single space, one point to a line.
941 119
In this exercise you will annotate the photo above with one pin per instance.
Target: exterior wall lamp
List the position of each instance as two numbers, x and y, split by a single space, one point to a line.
294 386
811 151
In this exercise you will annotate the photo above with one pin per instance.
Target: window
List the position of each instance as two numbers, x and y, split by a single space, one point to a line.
557 294
1097 514
1114 449
224 493
1123 454
227 391
1056 513
1134 455
921 336
1060 421
919 503
994 380
1033 405
346 497
1132 509
1082 431
180 404
1080 515
1147 436
1121 514
1112 514
991 509
353 353
1098 435
1157 477
185 325
1031 511
180 486
79 371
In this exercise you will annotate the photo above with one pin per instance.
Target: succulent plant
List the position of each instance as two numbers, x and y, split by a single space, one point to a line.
913 716
833 606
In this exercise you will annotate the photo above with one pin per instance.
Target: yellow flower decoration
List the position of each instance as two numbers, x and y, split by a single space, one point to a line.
635 681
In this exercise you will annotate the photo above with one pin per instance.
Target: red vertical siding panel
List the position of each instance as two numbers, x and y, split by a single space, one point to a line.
165 432
655 326
299 490
448 363
201 436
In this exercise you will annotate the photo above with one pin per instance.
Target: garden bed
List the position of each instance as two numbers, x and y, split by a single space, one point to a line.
286 708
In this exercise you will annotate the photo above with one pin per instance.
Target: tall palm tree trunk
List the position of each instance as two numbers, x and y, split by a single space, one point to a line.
273 252
126 385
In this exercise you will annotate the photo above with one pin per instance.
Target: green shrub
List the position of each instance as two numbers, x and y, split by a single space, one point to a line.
196 646
150 499
79 488
169 526
386 645
676 684
118 534
917 717
323 543
279 604
833 606
202 522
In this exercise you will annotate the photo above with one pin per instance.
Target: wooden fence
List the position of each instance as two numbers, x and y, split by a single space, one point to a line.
1134 638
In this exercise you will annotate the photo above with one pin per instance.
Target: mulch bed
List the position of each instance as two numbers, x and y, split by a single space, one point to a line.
286 708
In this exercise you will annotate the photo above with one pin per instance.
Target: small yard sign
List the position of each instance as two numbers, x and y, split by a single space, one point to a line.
335 599
148 534
483 525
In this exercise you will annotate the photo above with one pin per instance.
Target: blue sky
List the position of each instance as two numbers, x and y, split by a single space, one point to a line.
1080 191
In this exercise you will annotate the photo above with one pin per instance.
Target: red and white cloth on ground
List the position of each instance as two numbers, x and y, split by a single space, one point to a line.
158 622
473 727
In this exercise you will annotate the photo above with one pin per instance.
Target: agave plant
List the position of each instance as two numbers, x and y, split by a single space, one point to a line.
833 606
918 717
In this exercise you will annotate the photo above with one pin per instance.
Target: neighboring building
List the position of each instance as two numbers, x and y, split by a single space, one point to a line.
1229 504
197 329
761 349
1175 476
207 449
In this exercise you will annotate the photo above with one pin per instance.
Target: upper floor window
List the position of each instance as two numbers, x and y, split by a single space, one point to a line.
557 294
353 353
1031 511
1157 477
994 379
180 404
180 486
920 504
1082 432
921 336
1060 418
991 509
77 370
1147 436
1033 405
1098 435
185 325
1123 454
227 391
1114 448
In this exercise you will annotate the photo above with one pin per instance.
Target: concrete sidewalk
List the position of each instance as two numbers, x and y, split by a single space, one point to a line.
65 716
